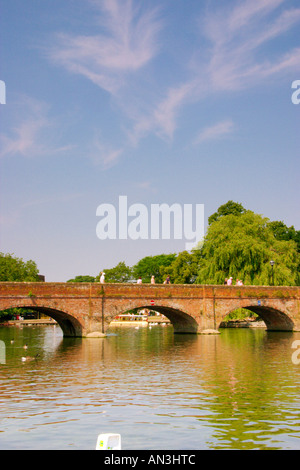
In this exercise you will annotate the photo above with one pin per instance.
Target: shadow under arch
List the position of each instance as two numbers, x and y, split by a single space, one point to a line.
274 319
70 326
181 321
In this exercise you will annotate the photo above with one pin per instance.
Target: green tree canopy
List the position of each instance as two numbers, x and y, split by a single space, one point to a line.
151 266
233 208
282 232
120 273
242 247
184 268
13 269
82 279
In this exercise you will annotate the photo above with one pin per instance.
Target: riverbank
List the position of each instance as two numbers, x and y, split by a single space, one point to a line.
157 319
243 324
151 319
31 322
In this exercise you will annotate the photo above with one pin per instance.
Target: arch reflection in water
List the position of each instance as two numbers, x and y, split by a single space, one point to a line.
237 390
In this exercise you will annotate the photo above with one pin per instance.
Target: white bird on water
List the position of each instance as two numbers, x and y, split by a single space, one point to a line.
29 358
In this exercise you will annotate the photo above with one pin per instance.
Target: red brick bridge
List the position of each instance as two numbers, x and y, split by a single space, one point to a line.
86 309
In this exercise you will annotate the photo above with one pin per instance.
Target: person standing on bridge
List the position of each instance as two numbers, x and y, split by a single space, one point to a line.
102 277
139 281
152 280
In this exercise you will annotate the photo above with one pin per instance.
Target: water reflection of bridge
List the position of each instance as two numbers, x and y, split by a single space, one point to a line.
86 309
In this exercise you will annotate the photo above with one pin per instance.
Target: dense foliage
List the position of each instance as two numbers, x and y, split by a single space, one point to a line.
230 208
242 246
120 273
184 268
14 269
82 279
153 266
238 244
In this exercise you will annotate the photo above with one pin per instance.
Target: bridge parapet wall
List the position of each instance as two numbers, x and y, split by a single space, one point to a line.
84 308
60 289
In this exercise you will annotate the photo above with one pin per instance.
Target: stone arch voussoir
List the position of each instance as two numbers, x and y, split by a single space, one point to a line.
273 316
181 321
68 323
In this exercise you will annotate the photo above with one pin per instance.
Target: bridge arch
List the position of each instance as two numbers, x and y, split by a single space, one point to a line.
68 323
86 309
275 319
181 321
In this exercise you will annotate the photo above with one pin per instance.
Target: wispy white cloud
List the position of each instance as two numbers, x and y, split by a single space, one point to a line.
162 118
231 61
31 121
217 131
33 131
234 20
128 43
233 56
166 112
237 37
103 154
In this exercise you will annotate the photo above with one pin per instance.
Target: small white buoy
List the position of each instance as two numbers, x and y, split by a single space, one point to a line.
109 442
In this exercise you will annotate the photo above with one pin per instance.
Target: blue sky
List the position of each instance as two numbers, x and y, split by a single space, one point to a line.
170 101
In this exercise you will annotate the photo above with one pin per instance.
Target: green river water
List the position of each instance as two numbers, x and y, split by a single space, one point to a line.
236 390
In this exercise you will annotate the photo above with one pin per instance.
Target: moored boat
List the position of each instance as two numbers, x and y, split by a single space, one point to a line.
129 319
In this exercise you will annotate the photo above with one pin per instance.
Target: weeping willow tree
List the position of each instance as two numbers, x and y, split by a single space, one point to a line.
242 246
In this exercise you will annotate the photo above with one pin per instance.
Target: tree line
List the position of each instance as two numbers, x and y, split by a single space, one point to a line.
238 244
